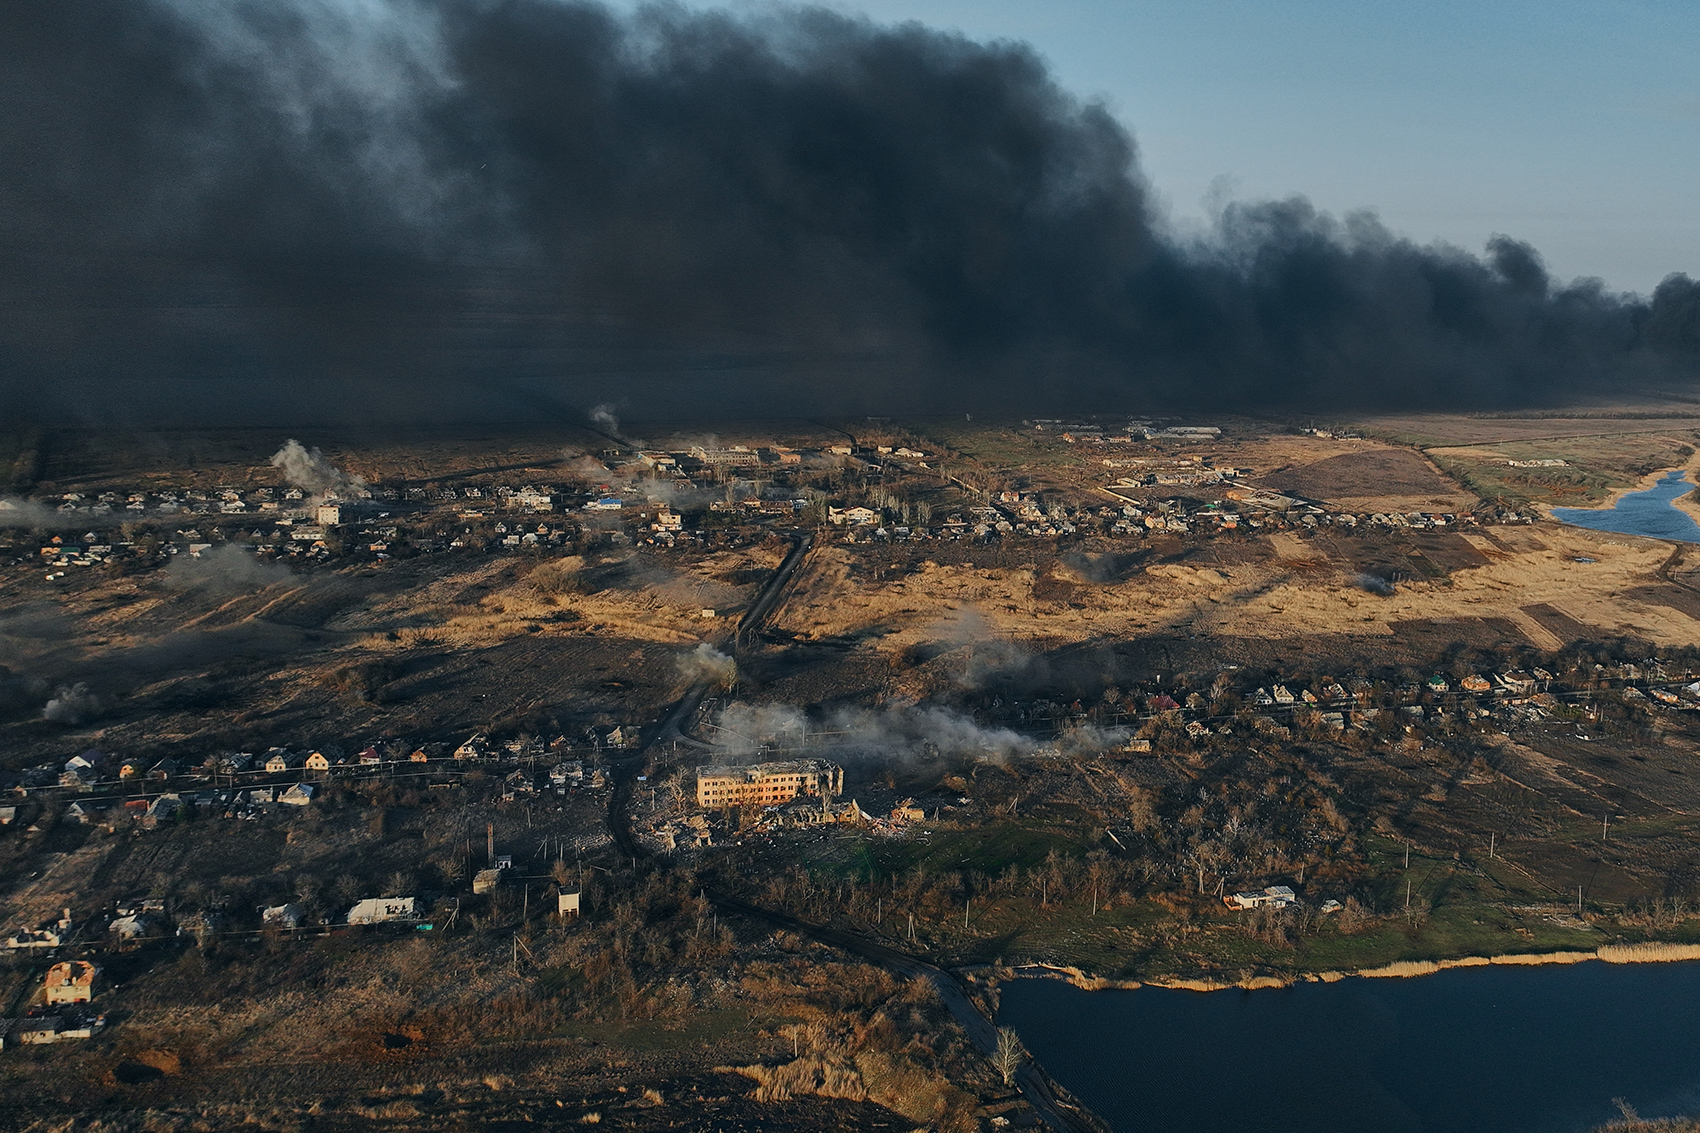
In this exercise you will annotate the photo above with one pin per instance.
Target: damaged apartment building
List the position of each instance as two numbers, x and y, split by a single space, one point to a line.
796 792
767 784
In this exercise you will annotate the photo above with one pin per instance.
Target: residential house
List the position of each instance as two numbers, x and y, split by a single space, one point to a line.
279 759
1517 683
532 499
299 795
1475 683
71 981
163 808
318 761
476 746
1275 896
79 778
87 814
855 516
90 760
130 928
49 935
163 770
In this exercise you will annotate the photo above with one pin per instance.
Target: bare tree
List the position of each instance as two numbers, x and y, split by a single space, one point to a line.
1009 1055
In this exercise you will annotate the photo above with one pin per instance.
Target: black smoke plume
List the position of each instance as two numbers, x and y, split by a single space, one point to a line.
430 209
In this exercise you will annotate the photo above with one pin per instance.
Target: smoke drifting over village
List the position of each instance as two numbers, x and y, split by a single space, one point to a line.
454 208
308 470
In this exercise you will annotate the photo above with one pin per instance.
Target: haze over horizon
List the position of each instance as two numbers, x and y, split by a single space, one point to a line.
454 208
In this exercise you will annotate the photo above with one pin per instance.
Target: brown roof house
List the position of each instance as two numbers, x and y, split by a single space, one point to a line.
71 981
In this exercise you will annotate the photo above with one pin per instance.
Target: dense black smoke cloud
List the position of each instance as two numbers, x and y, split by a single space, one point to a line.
296 209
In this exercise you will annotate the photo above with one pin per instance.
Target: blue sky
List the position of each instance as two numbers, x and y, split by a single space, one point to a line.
1575 126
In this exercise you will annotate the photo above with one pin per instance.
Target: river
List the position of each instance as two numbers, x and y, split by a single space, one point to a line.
1651 513
1470 1050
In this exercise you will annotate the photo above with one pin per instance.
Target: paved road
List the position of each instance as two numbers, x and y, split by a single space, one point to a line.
765 602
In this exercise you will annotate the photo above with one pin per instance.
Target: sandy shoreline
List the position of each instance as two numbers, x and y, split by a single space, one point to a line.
1651 953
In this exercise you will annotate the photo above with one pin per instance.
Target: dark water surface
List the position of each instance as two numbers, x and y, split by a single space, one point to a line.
1469 1050
1649 513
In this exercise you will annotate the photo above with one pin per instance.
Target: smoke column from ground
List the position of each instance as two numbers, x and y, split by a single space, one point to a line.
707 665
882 735
72 704
441 210
308 470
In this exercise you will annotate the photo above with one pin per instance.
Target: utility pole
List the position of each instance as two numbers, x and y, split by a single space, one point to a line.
1407 893
1407 855
1493 836
911 928
966 902
1605 824
1578 900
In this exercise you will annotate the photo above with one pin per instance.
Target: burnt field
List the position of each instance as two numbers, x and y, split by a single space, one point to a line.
185 661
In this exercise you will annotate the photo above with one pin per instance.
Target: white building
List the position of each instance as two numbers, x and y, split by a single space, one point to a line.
1275 896
382 910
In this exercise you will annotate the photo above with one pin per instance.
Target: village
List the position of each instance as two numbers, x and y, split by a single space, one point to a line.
1158 483
691 803
527 732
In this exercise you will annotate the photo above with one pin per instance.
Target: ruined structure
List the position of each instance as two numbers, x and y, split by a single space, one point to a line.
71 981
768 784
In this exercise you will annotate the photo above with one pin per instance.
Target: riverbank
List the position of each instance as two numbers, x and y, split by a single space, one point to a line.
1645 953
1521 1049
1685 503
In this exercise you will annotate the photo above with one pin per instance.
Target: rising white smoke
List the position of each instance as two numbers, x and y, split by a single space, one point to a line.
896 735
72 704
308 470
27 513
707 664
603 416
228 569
